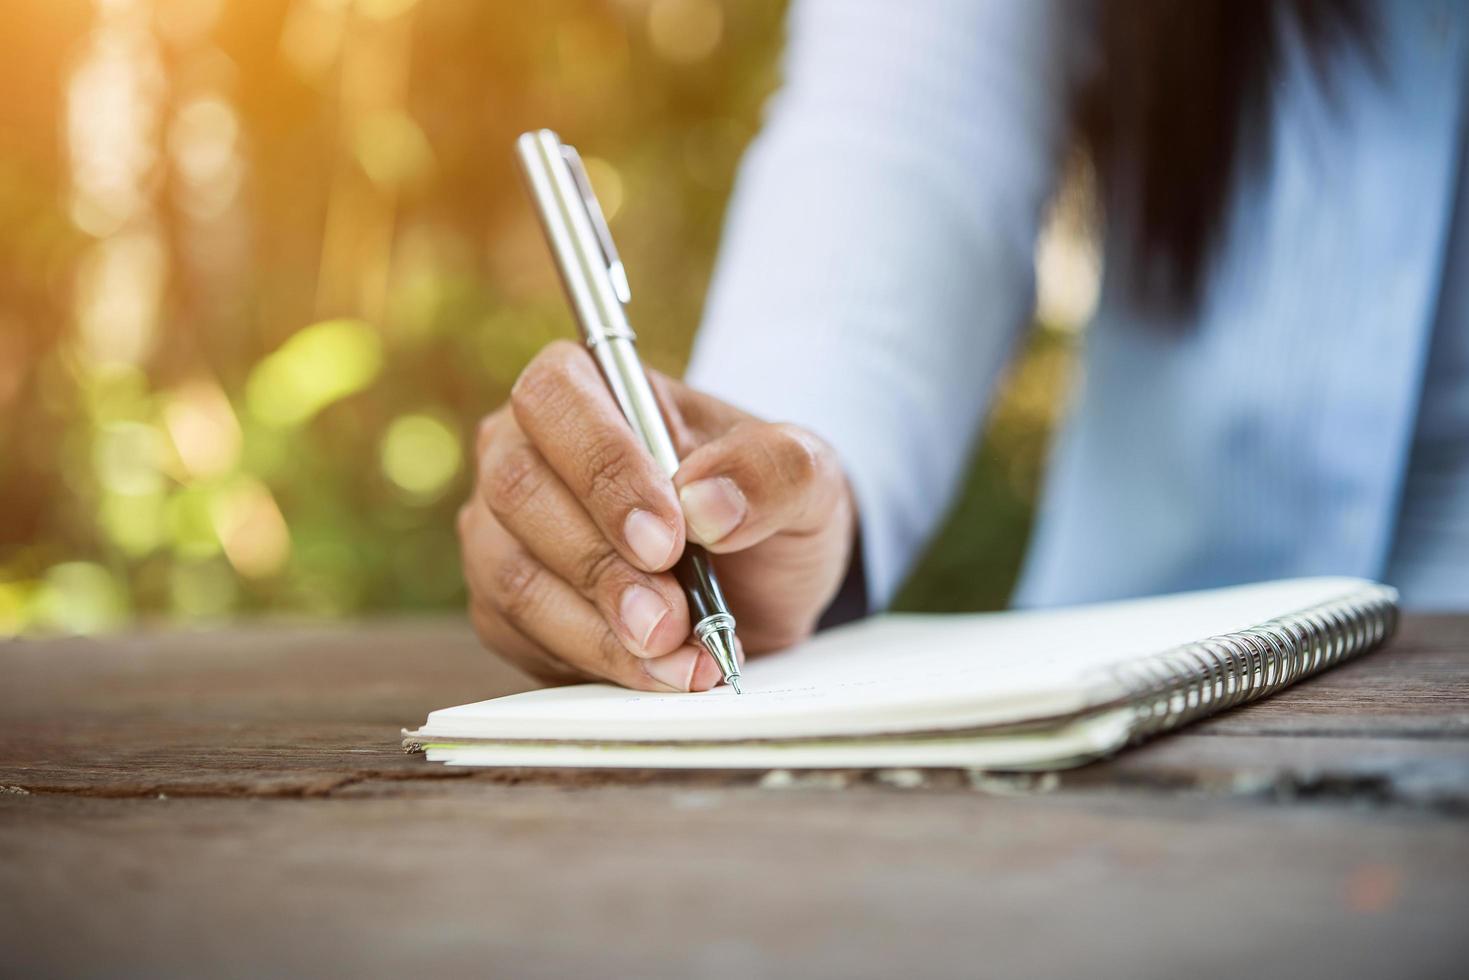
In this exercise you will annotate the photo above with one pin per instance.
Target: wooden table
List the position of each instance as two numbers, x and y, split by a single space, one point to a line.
236 803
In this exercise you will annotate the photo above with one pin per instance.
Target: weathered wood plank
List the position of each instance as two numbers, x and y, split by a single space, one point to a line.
398 670
310 845
272 710
299 759
655 880
1283 768
391 671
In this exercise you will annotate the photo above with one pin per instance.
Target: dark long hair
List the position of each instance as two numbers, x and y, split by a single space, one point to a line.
1177 114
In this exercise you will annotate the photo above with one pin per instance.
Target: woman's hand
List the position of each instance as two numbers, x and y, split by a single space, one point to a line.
572 528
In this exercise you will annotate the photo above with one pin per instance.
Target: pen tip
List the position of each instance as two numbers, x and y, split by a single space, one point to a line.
720 643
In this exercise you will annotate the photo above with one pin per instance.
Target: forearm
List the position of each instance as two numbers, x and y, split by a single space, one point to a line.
877 259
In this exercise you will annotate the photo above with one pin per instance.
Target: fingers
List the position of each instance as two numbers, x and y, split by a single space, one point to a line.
512 645
527 498
524 610
563 406
757 480
693 417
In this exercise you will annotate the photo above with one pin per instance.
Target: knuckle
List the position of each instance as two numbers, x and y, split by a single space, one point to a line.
613 660
595 568
484 434
537 386
501 639
511 478
606 468
489 627
541 385
798 458
516 584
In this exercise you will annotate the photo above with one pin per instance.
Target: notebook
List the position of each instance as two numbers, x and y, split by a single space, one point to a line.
1011 690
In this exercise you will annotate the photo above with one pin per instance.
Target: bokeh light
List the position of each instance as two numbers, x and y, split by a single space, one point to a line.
265 263
201 422
80 597
250 528
420 454
317 366
685 31
392 149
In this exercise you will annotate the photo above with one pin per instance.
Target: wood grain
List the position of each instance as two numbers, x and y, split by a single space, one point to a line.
235 803
654 880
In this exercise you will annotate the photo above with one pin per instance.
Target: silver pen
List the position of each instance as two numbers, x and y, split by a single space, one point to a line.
596 285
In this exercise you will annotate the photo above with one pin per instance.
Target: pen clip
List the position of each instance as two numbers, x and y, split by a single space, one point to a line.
615 270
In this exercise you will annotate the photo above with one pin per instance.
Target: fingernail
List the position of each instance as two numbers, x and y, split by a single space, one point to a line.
676 670
642 610
713 508
649 538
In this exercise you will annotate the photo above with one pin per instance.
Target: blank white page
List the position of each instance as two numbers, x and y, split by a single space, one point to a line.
900 673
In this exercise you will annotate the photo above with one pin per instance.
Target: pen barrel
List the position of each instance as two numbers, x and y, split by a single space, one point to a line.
572 237
617 359
596 287
695 572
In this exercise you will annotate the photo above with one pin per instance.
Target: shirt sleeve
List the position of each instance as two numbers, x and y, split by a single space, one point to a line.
877 258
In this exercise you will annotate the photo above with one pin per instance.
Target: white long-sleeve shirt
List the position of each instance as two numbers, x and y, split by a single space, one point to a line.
877 270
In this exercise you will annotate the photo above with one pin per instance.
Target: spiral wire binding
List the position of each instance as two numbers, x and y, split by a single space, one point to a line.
1197 679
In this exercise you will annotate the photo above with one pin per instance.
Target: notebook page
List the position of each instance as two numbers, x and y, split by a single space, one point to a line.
900 673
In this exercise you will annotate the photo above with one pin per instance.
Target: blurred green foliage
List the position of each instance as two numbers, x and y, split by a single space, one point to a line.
264 263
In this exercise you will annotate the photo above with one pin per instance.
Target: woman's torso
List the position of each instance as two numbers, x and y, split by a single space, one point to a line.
1313 417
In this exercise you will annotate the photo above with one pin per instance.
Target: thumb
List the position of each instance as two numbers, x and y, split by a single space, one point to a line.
756 480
